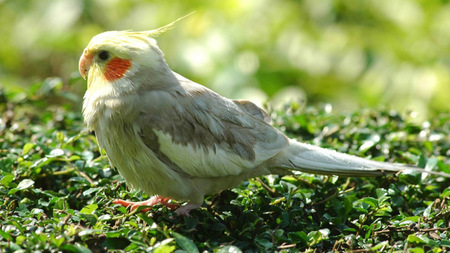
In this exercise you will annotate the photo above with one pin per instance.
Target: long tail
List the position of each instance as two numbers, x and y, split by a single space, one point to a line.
316 160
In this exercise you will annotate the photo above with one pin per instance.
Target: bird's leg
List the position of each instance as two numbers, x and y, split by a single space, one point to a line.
184 210
151 202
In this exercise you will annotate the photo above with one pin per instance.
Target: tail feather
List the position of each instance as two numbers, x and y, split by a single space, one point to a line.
316 160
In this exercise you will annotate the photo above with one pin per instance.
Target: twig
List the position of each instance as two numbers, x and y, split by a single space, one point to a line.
364 221
335 194
325 199
62 172
287 246
271 191
86 177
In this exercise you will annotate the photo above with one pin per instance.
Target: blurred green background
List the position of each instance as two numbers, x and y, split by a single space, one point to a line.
351 54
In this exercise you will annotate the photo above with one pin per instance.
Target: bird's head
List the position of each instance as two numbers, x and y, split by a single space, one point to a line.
122 55
113 55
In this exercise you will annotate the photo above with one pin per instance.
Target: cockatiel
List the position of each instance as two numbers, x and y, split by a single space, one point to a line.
174 138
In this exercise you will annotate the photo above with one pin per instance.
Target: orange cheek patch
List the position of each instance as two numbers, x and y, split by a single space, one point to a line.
116 68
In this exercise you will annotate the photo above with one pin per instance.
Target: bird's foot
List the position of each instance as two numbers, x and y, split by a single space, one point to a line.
155 200
184 210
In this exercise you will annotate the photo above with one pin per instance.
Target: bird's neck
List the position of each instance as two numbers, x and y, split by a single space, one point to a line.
109 102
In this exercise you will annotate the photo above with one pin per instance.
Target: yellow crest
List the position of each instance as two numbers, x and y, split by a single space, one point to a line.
163 29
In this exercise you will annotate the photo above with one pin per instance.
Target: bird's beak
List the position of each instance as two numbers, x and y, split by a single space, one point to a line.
85 63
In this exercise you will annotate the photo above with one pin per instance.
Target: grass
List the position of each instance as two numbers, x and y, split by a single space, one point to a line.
57 189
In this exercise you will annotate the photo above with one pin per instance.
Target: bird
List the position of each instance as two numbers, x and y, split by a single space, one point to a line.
175 139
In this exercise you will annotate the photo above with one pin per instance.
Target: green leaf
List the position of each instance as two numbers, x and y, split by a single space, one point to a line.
381 192
89 209
370 201
445 243
416 250
299 236
397 200
446 193
229 249
116 243
428 210
20 239
145 218
60 136
6 164
92 218
409 220
55 153
24 184
422 160
5 235
415 239
41 162
27 147
263 242
88 232
379 245
184 242
82 249
6 180
315 237
165 247
91 190
369 143
57 241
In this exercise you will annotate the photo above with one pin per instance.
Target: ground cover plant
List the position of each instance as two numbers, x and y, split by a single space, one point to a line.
57 188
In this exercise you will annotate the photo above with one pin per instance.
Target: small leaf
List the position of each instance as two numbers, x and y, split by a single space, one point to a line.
164 247
105 217
58 241
147 219
185 243
409 220
379 246
381 192
117 233
6 180
56 152
428 210
5 235
367 144
88 232
60 137
229 249
422 161
25 184
90 191
372 202
446 193
116 243
89 209
416 250
264 243
300 236
81 248
315 237
27 147
415 239
40 162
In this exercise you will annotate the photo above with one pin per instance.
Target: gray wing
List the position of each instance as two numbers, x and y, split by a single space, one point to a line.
201 134
252 109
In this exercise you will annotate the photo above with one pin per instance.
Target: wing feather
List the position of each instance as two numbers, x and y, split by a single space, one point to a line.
205 135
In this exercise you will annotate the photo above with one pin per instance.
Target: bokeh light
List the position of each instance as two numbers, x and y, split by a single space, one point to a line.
354 54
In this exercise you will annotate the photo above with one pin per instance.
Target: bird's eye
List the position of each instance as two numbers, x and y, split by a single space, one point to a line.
103 55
